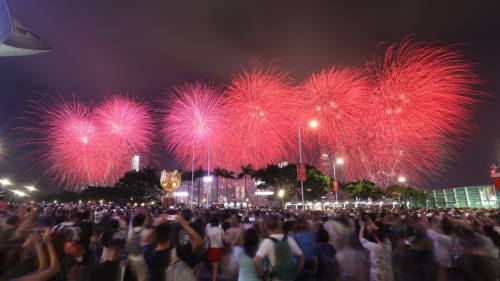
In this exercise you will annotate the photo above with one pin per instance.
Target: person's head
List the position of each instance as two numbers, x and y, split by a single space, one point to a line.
322 236
214 221
163 233
301 225
115 249
250 242
446 226
138 220
187 214
381 232
273 224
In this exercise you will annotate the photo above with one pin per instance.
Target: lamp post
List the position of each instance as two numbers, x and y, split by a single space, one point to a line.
312 124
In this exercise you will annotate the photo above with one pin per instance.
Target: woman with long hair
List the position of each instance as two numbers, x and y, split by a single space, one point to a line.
245 254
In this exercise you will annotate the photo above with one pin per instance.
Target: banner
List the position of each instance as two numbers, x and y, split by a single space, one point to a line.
301 172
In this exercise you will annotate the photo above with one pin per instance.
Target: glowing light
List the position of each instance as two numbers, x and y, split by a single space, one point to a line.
30 188
263 193
339 161
313 124
181 194
281 193
401 179
208 179
5 182
19 193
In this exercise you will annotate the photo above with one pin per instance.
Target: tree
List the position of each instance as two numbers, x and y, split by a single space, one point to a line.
246 171
218 172
227 175
285 178
363 189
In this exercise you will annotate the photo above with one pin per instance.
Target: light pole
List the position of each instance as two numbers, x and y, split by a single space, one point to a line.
338 161
192 180
312 124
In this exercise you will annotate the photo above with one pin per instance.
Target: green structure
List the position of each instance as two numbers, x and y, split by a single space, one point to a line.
480 196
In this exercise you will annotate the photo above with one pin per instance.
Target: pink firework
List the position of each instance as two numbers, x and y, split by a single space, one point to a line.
421 101
126 129
336 99
79 147
67 137
262 119
194 121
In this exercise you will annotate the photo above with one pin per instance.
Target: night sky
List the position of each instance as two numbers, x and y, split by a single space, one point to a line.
145 47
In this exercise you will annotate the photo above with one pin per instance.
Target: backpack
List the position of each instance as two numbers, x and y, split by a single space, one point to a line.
285 268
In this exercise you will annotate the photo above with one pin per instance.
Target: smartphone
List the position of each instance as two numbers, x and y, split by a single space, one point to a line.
171 217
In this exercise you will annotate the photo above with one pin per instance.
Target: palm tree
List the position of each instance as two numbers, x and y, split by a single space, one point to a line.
218 172
198 173
246 171
227 175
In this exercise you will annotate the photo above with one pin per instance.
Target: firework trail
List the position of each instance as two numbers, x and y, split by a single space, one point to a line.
262 119
195 118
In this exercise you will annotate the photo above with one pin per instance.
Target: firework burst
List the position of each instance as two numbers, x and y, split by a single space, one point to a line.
335 98
262 118
420 103
194 121
76 145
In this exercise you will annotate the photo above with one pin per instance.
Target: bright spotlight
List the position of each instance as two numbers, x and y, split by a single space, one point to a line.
401 179
339 161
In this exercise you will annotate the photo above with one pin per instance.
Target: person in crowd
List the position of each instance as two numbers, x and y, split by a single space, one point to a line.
215 236
158 254
277 251
326 266
380 251
244 255
113 268
304 237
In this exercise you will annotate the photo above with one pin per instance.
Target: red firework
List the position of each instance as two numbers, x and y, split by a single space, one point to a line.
335 99
262 119
194 123
126 129
421 101
76 145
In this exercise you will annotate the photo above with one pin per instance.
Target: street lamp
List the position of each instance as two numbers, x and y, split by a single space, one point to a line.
30 188
338 161
313 124
281 194
5 182
19 193
401 179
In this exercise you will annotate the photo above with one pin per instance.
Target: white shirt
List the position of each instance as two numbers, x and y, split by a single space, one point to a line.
215 236
442 244
266 248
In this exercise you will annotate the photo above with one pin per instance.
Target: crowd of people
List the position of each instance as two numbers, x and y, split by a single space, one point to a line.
108 242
